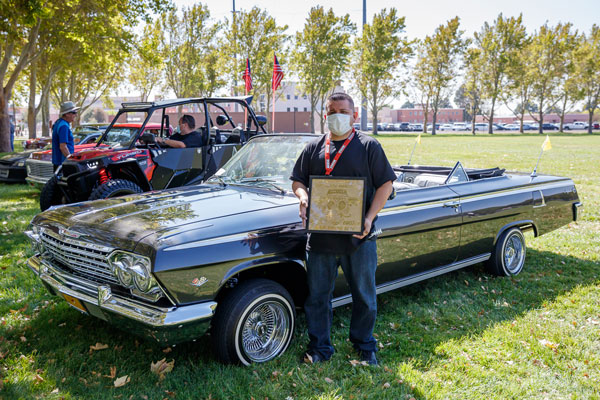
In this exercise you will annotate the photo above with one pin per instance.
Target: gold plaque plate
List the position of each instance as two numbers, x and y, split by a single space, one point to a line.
74 302
336 204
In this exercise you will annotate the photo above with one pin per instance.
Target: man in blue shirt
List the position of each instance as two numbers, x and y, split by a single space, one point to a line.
63 144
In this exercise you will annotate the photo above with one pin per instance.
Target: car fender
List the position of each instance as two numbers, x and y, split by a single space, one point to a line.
134 169
524 225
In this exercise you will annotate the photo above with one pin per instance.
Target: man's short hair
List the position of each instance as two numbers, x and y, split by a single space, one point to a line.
188 120
340 96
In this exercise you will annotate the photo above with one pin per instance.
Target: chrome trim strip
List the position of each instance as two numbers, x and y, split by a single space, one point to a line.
340 301
523 189
137 311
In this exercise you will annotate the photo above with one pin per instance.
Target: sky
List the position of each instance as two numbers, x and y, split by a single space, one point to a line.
422 16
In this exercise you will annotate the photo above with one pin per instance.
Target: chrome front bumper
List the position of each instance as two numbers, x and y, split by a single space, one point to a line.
166 325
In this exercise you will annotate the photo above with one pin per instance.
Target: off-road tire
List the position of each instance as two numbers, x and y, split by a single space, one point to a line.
51 194
508 257
256 312
115 188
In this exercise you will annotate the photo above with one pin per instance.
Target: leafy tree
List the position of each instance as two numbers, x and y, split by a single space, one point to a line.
499 46
550 47
146 65
519 82
189 49
379 53
436 66
255 35
569 92
320 56
23 42
468 95
587 71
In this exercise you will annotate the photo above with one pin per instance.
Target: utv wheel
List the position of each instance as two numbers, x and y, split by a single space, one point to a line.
51 194
508 256
254 323
114 188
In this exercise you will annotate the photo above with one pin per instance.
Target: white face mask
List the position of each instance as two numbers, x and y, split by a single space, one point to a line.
338 124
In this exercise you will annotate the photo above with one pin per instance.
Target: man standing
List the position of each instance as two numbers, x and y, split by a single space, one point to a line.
344 153
187 136
63 144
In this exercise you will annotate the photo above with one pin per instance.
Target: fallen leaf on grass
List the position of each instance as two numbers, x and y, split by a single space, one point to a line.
328 380
548 343
386 385
38 378
113 373
122 381
98 346
55 391
167 350
162 367
276 374
170 394
308 358
23 339
394 325
356 362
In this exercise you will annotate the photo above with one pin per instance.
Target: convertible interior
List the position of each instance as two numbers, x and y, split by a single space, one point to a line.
415 176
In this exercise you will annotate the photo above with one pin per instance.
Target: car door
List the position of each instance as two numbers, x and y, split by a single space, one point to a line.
175 167
420 231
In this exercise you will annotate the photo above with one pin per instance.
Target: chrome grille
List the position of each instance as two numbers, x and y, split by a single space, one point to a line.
84 259
38 168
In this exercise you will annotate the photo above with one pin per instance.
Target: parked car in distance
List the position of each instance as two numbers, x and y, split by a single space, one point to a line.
369 126
404 127
575 126
549 127
229 254
39 168
417 127
12 166
481 126
459 126
596 125
37 143
445 127
512 127
498 127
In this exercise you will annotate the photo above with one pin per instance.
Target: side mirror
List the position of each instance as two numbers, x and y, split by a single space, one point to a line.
261 119
221 120
147 137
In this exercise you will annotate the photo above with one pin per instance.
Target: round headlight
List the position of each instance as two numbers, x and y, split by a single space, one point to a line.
141 277
125 277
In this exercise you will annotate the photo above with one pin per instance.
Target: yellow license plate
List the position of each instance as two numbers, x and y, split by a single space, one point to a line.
74 302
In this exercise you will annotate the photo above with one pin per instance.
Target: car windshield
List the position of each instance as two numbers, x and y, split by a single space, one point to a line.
120 136
266 161
79 136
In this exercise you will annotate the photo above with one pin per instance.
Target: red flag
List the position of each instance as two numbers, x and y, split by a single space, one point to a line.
277 74
247 76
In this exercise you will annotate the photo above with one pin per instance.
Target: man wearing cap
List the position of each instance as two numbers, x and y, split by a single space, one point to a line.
63 144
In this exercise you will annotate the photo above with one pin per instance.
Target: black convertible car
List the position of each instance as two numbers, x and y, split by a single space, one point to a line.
228 255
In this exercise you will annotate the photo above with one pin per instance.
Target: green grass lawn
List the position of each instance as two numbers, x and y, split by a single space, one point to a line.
465 335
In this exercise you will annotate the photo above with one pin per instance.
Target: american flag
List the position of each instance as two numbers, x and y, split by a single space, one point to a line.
247 76
277 73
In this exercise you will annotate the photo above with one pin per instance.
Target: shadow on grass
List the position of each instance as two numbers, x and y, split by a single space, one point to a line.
412 323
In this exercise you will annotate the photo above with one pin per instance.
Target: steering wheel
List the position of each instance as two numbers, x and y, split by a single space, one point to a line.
149 139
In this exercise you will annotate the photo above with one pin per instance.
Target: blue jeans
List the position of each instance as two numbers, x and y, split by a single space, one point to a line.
359 270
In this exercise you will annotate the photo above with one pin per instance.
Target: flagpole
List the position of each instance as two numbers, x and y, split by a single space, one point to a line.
273 115
411 153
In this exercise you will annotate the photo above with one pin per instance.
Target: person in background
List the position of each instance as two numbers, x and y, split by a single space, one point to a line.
187 136
63 144
12 134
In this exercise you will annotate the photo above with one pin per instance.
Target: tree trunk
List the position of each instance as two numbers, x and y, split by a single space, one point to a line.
473 111
31 114
433 122
590 118
374 112
312 116
425 118
521 119
46 116
4 122
491 120
541 121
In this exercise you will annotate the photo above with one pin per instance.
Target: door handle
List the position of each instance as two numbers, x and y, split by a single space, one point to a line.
453 204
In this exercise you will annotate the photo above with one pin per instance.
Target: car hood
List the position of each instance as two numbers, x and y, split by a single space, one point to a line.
172 217
14 157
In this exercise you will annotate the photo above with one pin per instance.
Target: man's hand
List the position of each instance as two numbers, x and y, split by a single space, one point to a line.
302 195
303 207
368 223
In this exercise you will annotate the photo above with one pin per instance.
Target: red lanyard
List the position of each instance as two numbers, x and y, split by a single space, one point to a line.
328 167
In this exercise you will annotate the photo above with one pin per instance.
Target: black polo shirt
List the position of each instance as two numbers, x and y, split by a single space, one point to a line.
364 157
192 139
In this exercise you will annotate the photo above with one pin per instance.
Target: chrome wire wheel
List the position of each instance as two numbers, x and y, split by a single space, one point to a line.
513 254
265 330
